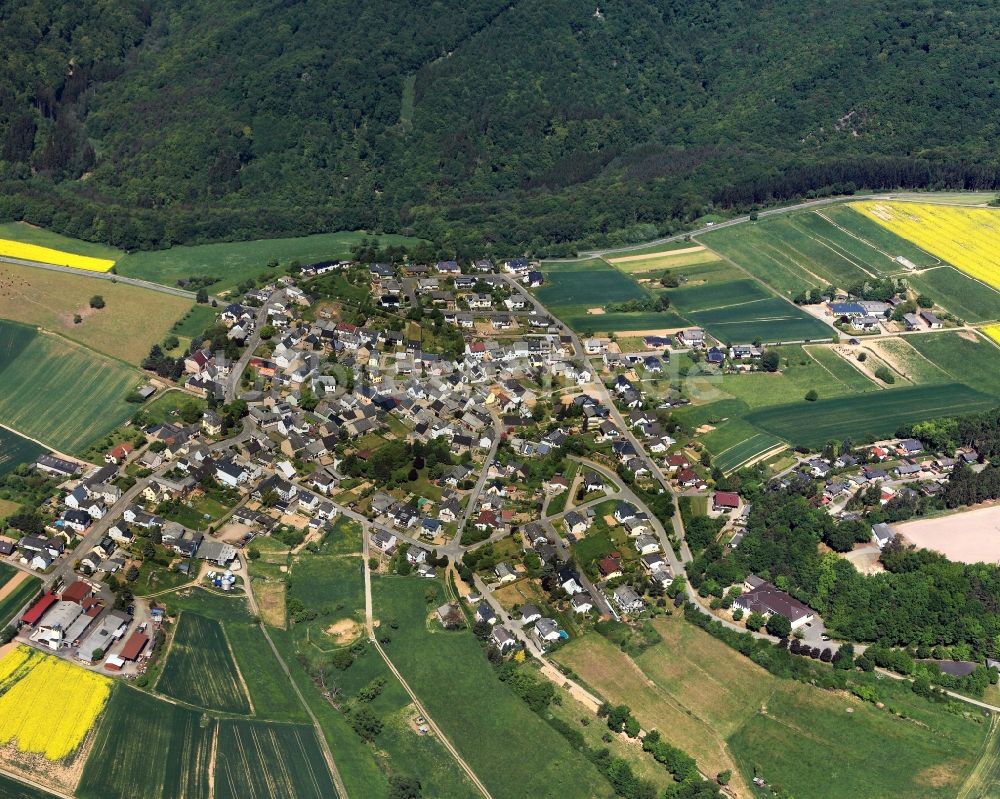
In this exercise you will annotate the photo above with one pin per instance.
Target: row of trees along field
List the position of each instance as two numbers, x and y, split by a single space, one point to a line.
538 125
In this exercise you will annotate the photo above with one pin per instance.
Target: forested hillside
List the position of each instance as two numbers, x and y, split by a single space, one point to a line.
530 124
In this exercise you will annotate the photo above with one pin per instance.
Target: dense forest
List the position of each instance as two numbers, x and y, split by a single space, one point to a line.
487 124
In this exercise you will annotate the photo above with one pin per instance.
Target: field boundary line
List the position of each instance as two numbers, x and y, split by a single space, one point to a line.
369 623
986 759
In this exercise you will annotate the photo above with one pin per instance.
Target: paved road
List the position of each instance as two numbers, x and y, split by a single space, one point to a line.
131 281
233 380
470 507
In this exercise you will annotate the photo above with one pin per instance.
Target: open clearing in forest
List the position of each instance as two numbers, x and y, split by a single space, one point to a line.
972 536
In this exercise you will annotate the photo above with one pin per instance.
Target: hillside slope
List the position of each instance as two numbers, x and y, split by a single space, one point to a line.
524 123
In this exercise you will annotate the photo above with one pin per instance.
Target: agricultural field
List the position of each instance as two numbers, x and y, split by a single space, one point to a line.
631 322
235 262
799 251
260 760
717 295
967 238
751 448
266 682
851 378
16 590
862 416
657 262
964 357
28 243
58 392
47 705
132 320
12 789
148 747
720 707
533 760
769 320
332 586
200 669
958 293
903 358
585 284
15 450
984 781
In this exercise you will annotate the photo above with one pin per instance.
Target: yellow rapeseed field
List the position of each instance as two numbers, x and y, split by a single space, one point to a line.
47 255
993 331
967 238
48 705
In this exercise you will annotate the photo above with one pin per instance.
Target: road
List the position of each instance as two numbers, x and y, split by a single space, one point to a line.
233 379
130 281
470 507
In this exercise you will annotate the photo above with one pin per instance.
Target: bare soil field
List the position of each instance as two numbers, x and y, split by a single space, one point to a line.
969 537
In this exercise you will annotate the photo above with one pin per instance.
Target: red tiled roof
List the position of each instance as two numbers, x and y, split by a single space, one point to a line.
77 592
726 499
34 614
135 646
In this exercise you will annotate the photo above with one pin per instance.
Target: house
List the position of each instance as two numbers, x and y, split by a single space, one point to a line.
725 500
450 615
912 321
118 454
504 573
609 568
624 511
384 541
687 478
530 613
932 321
627 599
547 630
882 534
582 603
59 467
503 639
646 545
485 612
569 580
693 337
576 523
909 446
865 323
764 598
231 474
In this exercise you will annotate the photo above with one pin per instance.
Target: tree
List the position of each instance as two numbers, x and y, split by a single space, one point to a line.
883 374
77 319
97 302
171 342
755 621
404 787
779 626
201 296
723 777
770 361
365 723
97 654
253 553
811 395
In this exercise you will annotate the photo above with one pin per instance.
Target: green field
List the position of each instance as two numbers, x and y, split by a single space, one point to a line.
957 292
587 284
196 321
623 322
839 369
29 234
717 295
12 789
268 685
900 355
878 236
200 669
512 750
864 416
18 598
984 781
15 450
164 406
146 747
332 586
724 710
260 760
770 321
58 392
237 261
975 363
739 454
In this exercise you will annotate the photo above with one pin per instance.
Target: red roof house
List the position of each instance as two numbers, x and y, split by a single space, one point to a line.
725 500
134 646
77 592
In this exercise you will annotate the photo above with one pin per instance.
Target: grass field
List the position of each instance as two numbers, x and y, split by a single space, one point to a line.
516 754
973 361
874 234
165 406
132 320
259 760
724 710
958 293
581 321
967 238
659 261
984 781
235 262
268 686
901 356
861 416
59 392
740 454
200 669
195 322
717 295
18 598
332 586
148 747
15 450
839 369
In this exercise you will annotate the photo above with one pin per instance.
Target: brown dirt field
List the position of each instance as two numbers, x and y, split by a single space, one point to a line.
519 593
232 532
968 335
344 631
133 320
969 537
8 587
271 603
941 775
658 331
595 311
627 259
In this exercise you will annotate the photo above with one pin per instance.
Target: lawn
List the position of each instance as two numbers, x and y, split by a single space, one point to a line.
900 354
958 293
164 407
261 760
196 321
200 668
235 262
148 747
17 599
968 359
15 450
132 320
332 587
516 754
722 709
59 392
862 417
